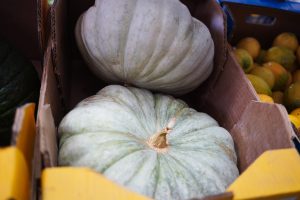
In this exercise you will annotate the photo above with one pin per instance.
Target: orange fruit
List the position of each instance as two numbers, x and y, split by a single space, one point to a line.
287 40
244 59
265 98
280 73
281 55
278 97
296 112
260 86
265 74
291 97
251 45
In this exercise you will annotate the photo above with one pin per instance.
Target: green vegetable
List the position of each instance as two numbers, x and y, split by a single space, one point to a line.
19 84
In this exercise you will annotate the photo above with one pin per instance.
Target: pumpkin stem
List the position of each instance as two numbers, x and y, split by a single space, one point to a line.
159 139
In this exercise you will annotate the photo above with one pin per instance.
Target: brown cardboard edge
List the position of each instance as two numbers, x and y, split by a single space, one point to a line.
48 139
43 23
49 112
58 43
259 130
232 89
49 95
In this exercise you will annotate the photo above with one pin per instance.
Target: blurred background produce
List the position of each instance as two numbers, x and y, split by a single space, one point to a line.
275 72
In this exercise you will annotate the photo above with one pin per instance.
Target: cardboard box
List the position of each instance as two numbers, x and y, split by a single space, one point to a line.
226 95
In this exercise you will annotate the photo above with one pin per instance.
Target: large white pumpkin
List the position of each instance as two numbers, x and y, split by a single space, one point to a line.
152 144
153 44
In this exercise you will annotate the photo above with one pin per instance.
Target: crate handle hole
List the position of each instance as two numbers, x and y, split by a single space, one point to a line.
260 19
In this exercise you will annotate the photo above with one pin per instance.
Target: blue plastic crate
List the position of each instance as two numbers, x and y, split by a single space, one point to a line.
291 5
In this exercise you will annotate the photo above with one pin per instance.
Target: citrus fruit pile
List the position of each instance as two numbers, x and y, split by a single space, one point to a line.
275 72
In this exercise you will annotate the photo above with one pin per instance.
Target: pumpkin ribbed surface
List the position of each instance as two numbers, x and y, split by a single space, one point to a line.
112 132
151 44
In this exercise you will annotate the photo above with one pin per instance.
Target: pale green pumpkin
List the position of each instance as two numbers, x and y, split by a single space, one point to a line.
152 144
151 44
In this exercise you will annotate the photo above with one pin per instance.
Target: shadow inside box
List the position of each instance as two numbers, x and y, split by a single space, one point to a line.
84 84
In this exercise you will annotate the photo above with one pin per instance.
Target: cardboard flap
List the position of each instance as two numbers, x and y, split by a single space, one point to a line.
230 96
262 127
49 92
48 139
50 113
59 42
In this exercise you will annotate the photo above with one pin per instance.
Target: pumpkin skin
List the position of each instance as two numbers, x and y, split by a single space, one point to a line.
111 133
19 84
151 44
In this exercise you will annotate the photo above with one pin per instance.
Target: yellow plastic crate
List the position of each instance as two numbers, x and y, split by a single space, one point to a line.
274 175
15 161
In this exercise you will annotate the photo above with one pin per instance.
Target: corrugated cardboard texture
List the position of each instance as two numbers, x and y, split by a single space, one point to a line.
59 47
262 127
231 94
